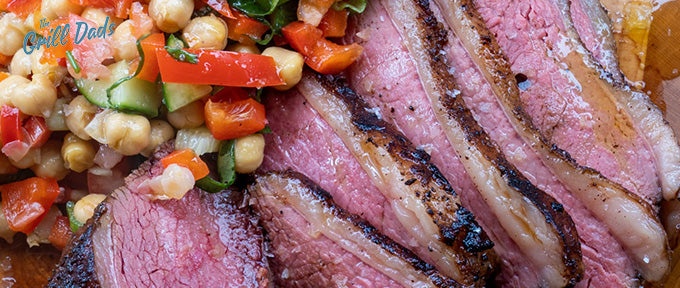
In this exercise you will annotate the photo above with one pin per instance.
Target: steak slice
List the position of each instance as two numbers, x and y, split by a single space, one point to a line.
317 244
202 240
490 90
601 122
323 129
411 84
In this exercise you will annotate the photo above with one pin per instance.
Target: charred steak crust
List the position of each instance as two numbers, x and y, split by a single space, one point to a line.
76 267
369 231
436 38
464 233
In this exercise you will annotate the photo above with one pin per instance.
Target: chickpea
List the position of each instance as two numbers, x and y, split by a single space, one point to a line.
124 43
98 16
12 32
84 208
289 64
174 183
207 32
51 163
21 64
57 120
78 114
31 158
189 116
243 48
53 9
12 85
161 131
56 73
77 153
127 134
249 153
171 15
36 98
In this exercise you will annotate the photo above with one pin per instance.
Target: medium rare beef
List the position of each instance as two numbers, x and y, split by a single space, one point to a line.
412 86
323 129
202 240
601 122
317 244
491 92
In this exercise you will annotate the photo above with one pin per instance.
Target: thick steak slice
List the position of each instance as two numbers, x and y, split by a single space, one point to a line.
317 244
574 104
202 240
323 129
412 85
491 92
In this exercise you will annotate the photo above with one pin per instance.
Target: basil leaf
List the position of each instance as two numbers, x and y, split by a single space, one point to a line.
255 8
356 6
226 166
75 224
174 42
182 55
209 185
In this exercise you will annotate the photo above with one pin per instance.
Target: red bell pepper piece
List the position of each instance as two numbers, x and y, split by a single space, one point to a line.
21 8
150 69
10 124
187 159
61 232
26 202
320 54
224 68
242 28
232 120
334 23
221 6
36 132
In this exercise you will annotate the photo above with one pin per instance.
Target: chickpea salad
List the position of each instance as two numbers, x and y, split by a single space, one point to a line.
89 88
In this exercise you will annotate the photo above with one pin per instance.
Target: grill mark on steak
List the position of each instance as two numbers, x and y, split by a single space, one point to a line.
612 202
425 41
391 174
131 240
275 191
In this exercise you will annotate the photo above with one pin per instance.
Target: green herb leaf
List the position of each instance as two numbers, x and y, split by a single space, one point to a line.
209 185
226 166
139 68
175 42
182 55
279 18
256 8
356 6
265 130
75 224
72 61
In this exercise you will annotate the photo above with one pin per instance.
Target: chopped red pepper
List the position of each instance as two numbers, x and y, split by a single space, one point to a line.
120 8
224 68
36 132
334 23
230 95
26 202
150 69
52 54
187 159
5 60
320 54
10 124
221 6
233 120
21 8
3 76
242 28
61 232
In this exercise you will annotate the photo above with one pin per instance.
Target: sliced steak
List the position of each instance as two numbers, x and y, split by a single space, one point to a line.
601 122
490 90
411 84
323 129
202 240
317 244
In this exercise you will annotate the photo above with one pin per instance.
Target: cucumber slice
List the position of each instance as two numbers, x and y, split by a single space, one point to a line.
178 95
134 95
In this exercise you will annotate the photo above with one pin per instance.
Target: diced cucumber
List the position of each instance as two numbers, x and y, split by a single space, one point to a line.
198 139
178 95
134 95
